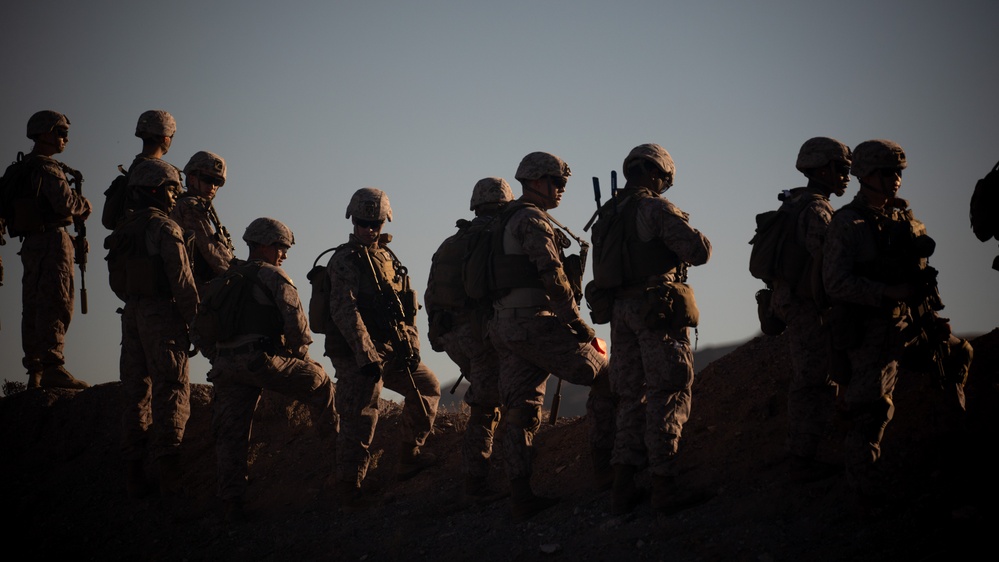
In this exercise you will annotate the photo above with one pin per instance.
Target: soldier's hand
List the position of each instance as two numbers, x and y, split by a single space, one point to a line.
413 362
583 333
373 370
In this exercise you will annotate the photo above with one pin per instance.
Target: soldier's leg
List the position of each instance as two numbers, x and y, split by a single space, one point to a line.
136 387
811 396
357 402
164 337
669 375
232 418
304 380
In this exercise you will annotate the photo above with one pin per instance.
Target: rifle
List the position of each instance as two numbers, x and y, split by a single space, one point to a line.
584 248
80 243
457 382
222 233
392 319
596 195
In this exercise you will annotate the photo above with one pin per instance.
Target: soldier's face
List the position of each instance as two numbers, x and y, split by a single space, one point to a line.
203 186
54 141
367 231
274 254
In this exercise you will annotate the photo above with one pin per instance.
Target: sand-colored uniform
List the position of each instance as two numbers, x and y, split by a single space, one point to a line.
652 370
530 332
361 335
247 363
811 394
47 285
878 324
155 342
213 252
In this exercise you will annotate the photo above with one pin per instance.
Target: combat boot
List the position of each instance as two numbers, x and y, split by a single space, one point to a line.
603 472
669 498
58 377
625 495
412 461
136 484
524 504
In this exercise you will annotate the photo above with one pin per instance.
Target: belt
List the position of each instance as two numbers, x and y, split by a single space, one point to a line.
261 345
523 312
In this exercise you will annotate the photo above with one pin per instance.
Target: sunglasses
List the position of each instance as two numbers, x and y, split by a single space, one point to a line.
889 172
61 132
558 181
374 225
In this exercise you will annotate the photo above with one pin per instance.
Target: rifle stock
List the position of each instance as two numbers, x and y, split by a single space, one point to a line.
80 247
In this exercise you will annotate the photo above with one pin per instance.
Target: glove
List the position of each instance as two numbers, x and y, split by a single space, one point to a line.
373 370
583 333
413 362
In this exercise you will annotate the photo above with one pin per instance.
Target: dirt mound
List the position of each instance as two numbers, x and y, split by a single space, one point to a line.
63 491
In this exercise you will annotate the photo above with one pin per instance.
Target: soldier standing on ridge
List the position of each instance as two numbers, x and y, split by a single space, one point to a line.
160 302
156 129
195 213
458 327
372 342
537 330
47 252
270 350
652 369
801 302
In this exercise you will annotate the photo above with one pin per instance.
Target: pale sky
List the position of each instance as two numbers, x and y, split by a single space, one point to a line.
310 101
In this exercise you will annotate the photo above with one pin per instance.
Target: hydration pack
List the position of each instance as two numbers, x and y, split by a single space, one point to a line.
777 253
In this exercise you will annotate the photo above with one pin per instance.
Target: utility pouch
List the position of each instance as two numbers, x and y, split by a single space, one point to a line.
670 305
601 303
409 305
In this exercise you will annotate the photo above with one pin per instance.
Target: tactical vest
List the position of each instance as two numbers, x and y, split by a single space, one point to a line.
133 271
514 271
23 206
902 244
621 258
256 317
202 270
384 295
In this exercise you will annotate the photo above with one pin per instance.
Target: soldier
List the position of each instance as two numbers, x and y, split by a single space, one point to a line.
269 350
373 342
47 252
652 369
195 213
160 302
801 302
457 326
156 129
867 243
537 330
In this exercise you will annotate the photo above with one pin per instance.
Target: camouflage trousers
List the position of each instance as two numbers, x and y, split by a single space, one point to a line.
357 402
46 297
154 377
652 372
811 397
868 397
529 349
238 380
477 360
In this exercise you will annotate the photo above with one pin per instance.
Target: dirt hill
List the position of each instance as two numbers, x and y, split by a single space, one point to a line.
63 493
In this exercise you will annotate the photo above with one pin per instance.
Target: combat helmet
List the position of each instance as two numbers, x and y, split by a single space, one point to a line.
490 190
155 123
268 232
153 180
537 165
44 121
876 154
817 152
370 204
207 164
655 154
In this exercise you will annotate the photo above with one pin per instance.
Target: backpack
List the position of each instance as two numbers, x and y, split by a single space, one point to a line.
115 200
481 245
221 308
19 208
319 300
777 253
447 289
985 206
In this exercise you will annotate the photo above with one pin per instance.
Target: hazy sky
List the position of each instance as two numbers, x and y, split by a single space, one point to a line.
310 101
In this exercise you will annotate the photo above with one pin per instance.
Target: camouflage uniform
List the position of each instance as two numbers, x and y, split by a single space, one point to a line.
363 353
652 371
529 331
195 213
47 282
247 363
47 252
158 309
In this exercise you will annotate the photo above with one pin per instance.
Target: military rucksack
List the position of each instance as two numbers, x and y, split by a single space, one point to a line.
777 253
115 200
224 306
319 300
985 206
19 206
446 285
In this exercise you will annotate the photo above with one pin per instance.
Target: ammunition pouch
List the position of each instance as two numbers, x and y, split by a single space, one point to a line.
601 303
770 323
670 305
410 305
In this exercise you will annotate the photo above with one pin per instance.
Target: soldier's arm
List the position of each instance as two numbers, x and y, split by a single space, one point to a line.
845 239
344 283
668 223
178 269
538 241
191 214
57 191
289 304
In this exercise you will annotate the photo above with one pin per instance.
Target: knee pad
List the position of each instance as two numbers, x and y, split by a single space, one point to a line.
524 417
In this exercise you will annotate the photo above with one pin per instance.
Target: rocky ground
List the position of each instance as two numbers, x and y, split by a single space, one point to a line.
61 473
